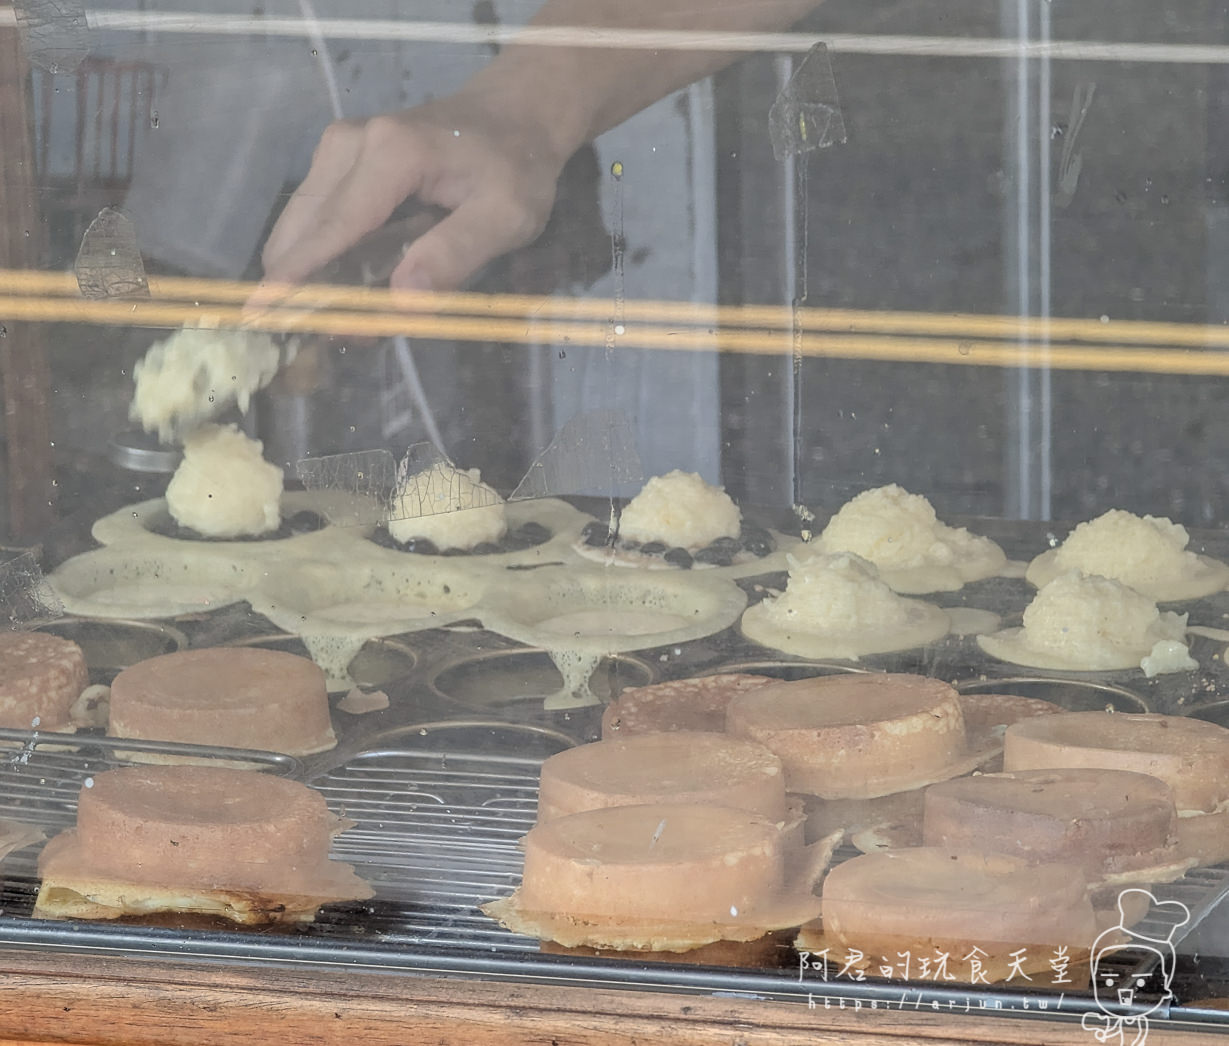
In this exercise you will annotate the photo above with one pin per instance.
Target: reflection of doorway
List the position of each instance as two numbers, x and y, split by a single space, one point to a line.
86 127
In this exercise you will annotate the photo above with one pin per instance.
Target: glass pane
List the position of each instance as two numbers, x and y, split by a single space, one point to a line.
714 443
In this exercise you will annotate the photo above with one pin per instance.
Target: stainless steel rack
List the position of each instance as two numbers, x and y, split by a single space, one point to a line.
437 832
41 775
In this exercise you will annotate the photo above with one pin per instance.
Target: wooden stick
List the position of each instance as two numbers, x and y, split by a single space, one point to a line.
203 293
817 344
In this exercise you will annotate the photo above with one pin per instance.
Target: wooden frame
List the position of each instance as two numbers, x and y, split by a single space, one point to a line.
54 998
48 997
23 356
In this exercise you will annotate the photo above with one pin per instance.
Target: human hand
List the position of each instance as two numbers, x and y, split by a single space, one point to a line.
475 154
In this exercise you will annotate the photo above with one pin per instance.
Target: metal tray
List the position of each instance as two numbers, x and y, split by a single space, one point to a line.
436 832
443 783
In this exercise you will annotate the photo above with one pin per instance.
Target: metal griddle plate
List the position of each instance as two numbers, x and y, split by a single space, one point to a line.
442 785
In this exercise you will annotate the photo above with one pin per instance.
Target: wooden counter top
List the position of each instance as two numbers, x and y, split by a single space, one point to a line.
52 998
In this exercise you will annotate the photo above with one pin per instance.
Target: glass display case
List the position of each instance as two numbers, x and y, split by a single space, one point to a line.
584 520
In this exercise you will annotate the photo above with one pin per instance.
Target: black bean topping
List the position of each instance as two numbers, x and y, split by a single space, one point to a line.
514 541
526 536
757 541
714 556
653 548
595 534
532 532
304 522
678 557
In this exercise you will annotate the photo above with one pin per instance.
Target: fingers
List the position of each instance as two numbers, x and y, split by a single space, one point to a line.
383 170
332 160
480 229
495 183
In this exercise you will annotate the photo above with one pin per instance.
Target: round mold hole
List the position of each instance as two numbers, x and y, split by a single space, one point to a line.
1217 712
788 671
112 645
475 736
1074 695
509 677
380 663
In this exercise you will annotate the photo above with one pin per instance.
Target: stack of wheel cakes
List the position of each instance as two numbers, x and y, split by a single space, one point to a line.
664 841
1089 806
862 743
673 833
212 839
681 826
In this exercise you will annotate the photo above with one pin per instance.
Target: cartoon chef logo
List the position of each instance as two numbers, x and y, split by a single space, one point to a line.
1115 989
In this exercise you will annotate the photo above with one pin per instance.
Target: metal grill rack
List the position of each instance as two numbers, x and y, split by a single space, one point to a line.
41 775
1200 891
437 834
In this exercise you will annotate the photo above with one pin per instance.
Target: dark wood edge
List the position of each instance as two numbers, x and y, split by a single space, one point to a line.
53 998
26 378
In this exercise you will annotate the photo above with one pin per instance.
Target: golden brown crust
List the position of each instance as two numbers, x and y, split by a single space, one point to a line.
1103 820
677 704
938 902
858 736
1190 755
675 767
667 877
241 697
245 846
41 676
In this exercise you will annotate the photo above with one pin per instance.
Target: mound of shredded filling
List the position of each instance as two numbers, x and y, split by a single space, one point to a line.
450 507
1132 549
899 531
196 373
223 488
836 593
1087 622
680 510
